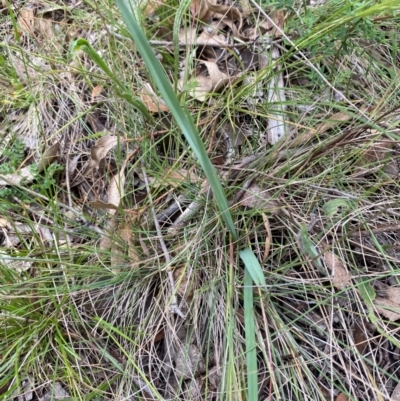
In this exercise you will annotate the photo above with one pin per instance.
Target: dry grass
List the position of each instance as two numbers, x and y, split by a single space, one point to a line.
93 294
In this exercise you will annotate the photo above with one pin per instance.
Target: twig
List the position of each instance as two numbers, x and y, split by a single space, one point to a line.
233 172
190 211
172 209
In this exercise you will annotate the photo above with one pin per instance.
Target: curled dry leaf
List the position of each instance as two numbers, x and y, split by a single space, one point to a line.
214 82
102 147
201 11
224 12
116 188
26 20
96 92
340 277
153 102
267 238
389 306
257 198
49 156
99 151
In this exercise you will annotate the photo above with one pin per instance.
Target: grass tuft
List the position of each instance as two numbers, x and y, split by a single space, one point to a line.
157 242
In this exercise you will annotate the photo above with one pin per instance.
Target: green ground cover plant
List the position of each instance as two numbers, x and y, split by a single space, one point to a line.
199 200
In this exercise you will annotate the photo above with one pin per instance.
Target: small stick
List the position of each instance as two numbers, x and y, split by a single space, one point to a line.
194 207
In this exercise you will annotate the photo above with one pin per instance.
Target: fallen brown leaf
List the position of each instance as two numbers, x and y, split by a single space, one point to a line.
389 306
225 12
360 339
45 27
116 188
153 103
49 156
188 35
279 18
342 397
96 92
267 238
340 277
214 82
201 11
257 198
102 147
99 152
26 20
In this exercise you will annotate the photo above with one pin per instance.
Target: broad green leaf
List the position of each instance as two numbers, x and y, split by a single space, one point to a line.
250 336
180 113
253 266
253 270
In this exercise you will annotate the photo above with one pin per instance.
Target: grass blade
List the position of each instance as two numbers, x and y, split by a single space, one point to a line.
250 334
180 114
83 44
253 266
253 270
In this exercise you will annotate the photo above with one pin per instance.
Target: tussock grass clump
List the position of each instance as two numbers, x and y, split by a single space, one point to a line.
199 200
